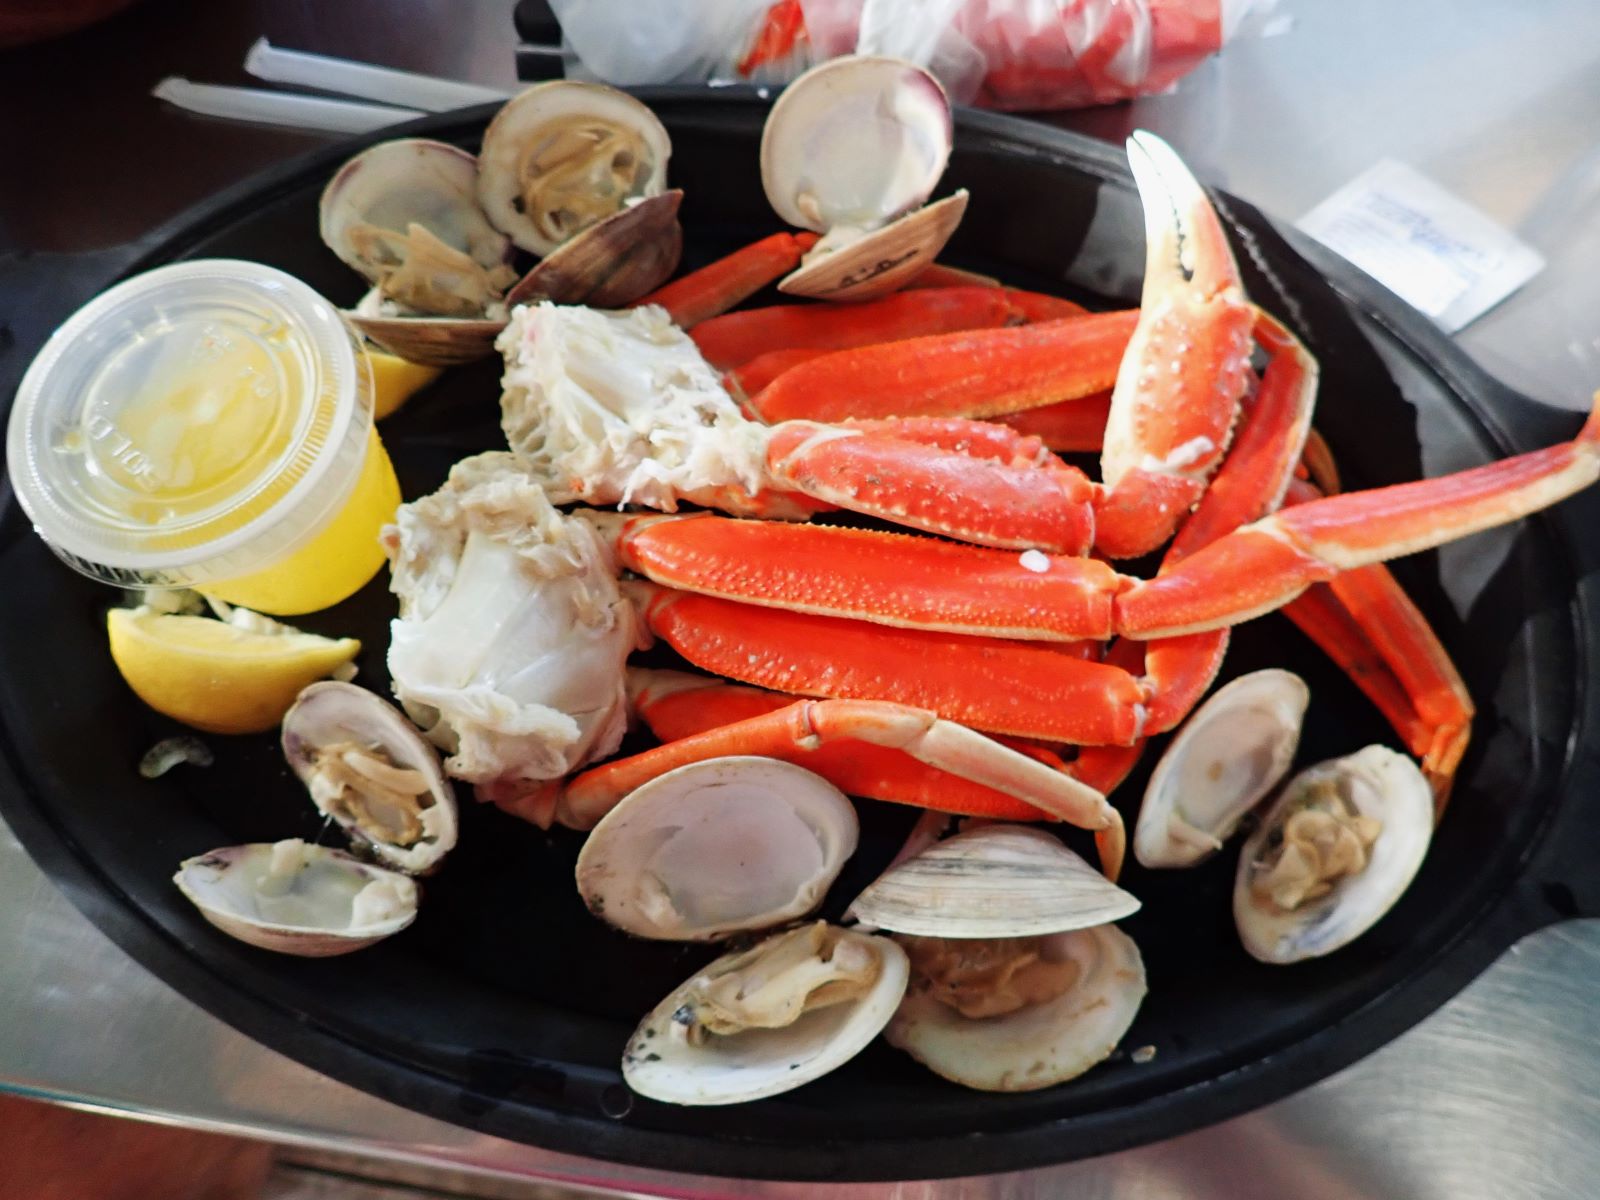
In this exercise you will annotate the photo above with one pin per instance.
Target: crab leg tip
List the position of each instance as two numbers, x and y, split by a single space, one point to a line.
1184 238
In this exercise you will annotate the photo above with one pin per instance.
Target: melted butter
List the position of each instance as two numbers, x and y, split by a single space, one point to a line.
205 420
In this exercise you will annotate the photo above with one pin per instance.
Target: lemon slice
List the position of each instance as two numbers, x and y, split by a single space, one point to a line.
394 381
216 676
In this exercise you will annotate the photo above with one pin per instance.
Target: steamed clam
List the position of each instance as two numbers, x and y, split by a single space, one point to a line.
297 898
762 1021
368 769
852 150
573 172
405 215
992 881
1333 853
1227 756
1016 1014
717 847
576 173
1018 979
564 156
612 263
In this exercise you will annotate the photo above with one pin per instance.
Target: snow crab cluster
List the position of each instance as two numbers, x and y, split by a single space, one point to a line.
985 659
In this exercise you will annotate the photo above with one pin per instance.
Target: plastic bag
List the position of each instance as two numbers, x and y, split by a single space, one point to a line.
680 41
1011 54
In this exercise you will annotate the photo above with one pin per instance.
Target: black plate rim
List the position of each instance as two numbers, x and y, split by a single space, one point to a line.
1454 963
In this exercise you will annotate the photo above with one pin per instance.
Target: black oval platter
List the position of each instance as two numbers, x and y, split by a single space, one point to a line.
505 1008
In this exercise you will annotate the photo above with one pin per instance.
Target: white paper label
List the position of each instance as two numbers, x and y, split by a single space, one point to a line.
1429 247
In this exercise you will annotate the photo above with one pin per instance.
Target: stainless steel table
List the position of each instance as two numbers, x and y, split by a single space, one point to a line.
1496 1096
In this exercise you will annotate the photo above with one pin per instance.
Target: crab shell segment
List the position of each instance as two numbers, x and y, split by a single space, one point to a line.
1066 1001
766 1020
717 847
563 156
1231 752
994 881
850 150
1333 853
297 898
368 769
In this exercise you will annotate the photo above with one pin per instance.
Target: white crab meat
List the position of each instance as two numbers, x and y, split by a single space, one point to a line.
620 408
512 634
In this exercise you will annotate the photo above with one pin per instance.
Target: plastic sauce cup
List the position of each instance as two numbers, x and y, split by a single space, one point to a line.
209 425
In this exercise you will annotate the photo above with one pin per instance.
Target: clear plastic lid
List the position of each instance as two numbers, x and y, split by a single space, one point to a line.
190 424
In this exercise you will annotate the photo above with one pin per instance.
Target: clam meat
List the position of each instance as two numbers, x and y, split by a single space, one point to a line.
563 156
1017 1014
405 215
366 766
1334 852
769 1019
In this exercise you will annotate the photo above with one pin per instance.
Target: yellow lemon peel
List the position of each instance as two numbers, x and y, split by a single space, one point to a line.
218 676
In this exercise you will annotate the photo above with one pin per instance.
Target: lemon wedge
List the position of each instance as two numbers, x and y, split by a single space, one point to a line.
217 676
394 381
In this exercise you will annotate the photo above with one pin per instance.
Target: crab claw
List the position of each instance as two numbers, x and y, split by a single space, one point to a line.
1187 365
1184 242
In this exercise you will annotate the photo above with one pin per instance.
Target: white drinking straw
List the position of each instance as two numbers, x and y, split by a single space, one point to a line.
279 108
404 88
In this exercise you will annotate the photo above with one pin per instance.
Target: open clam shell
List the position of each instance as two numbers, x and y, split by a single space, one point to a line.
562 156
769 1019
855 141
612 263
433 341
716 847
1376 797
405 215
1036 1045
369 769
851 148
994 881
1231 752
882 261
297 898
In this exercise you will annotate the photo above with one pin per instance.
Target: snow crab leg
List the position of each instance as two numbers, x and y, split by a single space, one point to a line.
735 338
1177 369
874 749
1266 564
1025 688
1068 427
719 286
1365 622
975 374
941 275
1186 367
